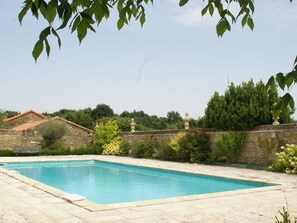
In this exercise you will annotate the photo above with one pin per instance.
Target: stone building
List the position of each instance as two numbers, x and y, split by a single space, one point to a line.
23 131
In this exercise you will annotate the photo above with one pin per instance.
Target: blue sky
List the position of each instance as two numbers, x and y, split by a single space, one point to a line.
175 62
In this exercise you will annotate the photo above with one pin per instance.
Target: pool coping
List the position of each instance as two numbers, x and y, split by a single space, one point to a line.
164 165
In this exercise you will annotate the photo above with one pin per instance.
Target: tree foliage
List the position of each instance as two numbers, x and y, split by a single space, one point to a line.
229 145
191 146
52 133
88 118
2 123
82 16
9 114
241 107
286 83
80 117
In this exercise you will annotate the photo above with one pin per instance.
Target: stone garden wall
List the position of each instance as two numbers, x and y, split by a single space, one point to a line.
9 139
260 147
261 143
74 138
77 137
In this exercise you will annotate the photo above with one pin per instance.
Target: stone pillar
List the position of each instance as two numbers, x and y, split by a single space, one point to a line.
132 124
187 121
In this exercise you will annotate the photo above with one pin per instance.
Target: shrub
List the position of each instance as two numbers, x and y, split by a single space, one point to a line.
285 217
286 161
145 148
6 152
125 147
192 146
229 144
113 147
52 133
85 151
164 152
68 151
106 132
174 143
55 152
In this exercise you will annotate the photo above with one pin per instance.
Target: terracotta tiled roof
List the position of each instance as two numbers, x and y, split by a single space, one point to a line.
31 125
72 123
25 113
27 126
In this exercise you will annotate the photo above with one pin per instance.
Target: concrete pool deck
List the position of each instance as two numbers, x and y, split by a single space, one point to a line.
24 200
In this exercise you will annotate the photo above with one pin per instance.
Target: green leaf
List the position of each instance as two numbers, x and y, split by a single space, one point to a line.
252 7
232 17
81 31
221 27
99 14
287 100
24 11
37 3
120 24
56 34
65 12
120 5
244 19
204 10
270 83
37 50
250 23
43 9
211 9
51 12
34 10
183 2
75 24
290 78
47 48
295 61
90 27
227 24
142 19
280 80
44 33
87 16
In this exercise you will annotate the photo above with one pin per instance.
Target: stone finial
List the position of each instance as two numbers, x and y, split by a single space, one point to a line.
132 124
187 121
275 121
275 117
97 126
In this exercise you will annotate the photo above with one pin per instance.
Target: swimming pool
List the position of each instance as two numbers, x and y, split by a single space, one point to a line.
107 183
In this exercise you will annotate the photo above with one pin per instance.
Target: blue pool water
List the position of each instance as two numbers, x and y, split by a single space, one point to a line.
107 183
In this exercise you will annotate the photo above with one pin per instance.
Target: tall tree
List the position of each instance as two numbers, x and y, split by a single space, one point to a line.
80 117
241 107
102 110
174 116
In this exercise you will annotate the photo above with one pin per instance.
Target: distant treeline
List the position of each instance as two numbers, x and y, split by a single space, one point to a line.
241 107
88 118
